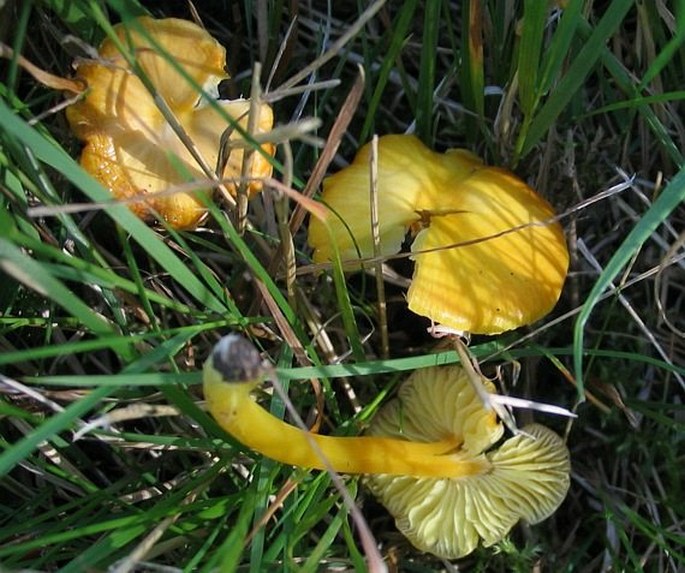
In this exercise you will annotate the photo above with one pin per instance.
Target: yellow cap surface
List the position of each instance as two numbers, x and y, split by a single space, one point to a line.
488 257
130 146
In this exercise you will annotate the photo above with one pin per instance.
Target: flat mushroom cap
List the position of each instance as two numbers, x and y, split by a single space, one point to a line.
527 479
407 176
488 259
130 147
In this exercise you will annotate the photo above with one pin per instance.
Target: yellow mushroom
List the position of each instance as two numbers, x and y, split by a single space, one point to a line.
427 455
488 256
131 148
525 478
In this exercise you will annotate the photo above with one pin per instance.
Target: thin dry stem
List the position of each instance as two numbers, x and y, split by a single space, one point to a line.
376 234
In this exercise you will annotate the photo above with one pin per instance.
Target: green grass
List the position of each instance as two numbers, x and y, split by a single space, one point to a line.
105 319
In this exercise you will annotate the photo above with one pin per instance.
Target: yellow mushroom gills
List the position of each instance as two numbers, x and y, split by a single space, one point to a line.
489 255
427 455
131 147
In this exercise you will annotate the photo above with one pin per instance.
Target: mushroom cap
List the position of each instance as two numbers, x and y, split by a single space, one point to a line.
528 474
130 147
487 257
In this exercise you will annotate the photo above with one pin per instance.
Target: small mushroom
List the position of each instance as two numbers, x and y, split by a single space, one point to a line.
489 256
131 148
525 478
427 455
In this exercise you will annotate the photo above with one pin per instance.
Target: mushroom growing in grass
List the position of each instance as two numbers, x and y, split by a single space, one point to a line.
489 255
428 455
131 146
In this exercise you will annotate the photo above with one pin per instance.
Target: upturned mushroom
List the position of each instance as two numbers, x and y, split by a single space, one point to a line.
131 147
427 455
489 256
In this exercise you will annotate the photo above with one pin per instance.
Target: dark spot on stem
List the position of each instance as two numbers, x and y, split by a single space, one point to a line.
237 360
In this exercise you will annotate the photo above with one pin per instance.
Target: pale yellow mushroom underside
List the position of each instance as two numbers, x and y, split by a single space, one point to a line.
427 455
448 517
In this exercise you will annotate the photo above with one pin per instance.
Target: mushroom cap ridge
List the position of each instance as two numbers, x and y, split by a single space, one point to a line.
131 148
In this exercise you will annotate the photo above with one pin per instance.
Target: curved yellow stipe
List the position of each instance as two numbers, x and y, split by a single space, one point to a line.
427 455
235 410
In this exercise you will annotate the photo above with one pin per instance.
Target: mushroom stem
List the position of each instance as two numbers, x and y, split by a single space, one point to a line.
233 407
428 454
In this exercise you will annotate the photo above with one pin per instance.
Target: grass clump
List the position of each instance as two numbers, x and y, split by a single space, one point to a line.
106 321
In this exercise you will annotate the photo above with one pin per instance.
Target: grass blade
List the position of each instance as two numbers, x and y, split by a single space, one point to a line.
672 196
579 69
